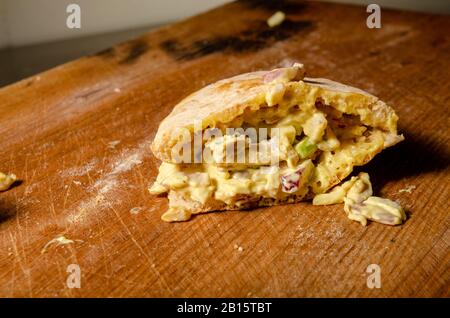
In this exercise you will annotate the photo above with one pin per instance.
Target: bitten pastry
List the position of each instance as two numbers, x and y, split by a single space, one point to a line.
310 134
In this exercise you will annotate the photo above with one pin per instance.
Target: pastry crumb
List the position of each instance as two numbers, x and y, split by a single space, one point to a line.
135 210
113 144
407 189
6 180
276 19
59 240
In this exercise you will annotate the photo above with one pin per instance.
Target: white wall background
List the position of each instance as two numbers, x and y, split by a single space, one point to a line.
3 25
433 6
33 21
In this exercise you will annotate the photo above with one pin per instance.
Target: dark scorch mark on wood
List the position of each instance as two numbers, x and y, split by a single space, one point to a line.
109 52
256 37
29 83
126 53
275 5
137 48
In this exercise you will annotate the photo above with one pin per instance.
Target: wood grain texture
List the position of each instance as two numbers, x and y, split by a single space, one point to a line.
57 130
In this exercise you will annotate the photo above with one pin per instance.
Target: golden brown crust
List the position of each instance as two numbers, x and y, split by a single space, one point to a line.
176 199
225 99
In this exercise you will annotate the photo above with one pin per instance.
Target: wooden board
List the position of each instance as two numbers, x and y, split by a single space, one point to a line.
58 133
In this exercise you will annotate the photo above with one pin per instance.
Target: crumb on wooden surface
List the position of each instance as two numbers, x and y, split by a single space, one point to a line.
135 210
58 240
113 144
407 189
276 19
6 180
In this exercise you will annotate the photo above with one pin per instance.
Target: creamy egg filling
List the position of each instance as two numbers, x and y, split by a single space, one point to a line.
202 182
359 203
312 144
